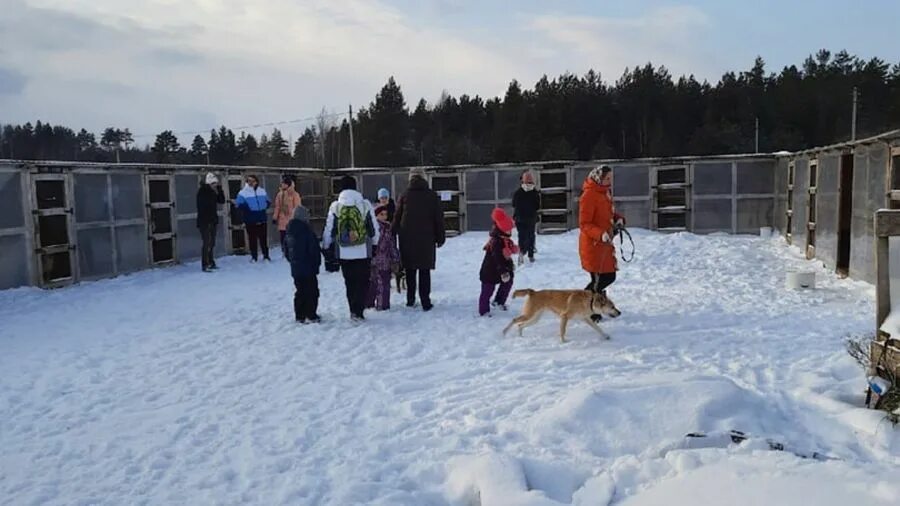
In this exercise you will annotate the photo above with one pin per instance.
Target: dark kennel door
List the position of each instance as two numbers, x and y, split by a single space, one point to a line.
448 187
53 233
160 202
556 193
671 197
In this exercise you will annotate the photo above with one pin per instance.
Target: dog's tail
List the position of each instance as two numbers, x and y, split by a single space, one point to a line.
523 293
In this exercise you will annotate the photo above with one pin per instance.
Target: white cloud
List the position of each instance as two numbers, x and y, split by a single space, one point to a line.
670 36
241 61
191 64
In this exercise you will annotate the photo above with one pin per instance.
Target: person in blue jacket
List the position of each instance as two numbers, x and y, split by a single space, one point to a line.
253 202
301 248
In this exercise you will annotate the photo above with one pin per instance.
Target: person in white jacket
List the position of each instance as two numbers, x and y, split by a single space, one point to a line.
351 225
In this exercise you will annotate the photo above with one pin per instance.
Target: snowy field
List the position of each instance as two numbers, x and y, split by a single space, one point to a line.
178 387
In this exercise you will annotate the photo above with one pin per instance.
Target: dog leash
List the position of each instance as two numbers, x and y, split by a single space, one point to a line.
622 231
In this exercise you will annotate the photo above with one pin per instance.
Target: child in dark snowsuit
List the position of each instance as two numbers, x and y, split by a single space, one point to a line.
301 248
497 266
385 263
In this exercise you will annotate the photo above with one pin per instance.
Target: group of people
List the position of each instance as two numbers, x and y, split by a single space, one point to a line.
598 224
373 244
377 243
253 204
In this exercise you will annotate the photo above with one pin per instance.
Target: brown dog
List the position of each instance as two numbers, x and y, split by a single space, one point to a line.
567 304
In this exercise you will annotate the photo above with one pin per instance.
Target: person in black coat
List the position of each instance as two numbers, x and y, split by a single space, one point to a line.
526 204
209 197
419 222
302 251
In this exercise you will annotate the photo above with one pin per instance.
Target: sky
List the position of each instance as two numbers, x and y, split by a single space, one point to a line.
190 65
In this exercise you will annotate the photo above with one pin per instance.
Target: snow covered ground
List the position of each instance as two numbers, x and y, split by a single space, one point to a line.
178 387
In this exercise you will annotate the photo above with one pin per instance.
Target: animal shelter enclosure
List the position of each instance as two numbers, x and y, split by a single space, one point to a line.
68 222
732 194
64 222
826 199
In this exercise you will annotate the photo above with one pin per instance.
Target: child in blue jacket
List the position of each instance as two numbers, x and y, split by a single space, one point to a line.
302 251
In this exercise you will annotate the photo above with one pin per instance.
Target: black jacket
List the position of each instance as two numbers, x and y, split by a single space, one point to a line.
208 201
419 222
392 209
495 263
526 205
301 248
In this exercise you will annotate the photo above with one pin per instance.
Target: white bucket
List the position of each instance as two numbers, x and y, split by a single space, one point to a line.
765 232
797 280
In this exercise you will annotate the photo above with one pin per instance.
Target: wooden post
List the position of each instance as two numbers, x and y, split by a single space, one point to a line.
887 224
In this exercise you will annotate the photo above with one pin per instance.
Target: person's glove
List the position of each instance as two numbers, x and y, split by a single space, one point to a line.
620 222
505 277
605 237
274 222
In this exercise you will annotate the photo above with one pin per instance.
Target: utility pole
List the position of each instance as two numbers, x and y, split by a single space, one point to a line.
757 134
853 126
352 154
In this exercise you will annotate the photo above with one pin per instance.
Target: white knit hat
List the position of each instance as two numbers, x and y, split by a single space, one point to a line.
417 172
211 178
597 173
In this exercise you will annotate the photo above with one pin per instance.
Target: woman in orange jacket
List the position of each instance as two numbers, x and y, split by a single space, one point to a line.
286 201
597 220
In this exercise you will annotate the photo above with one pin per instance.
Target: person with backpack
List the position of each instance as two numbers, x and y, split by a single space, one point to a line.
209 197
301 248
253 202
350 225
286 200
419 221
526 202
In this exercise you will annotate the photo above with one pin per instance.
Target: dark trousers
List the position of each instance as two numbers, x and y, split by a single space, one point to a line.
356 280
526 237
487 289
306 298
423 283
379 295
208 236
259 238
599 282
283 234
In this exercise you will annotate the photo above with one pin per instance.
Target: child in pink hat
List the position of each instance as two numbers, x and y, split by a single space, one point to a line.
497 267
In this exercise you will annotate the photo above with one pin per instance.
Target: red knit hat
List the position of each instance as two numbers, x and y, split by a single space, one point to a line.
502 220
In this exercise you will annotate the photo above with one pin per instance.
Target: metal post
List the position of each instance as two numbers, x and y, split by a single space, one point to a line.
757 134
853 125
352 153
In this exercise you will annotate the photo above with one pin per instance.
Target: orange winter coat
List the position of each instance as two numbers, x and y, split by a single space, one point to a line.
285 203
595 218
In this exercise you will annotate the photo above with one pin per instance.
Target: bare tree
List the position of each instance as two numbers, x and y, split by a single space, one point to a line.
324 124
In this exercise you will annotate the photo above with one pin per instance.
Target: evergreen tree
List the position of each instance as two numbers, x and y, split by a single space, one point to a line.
278 149
166 146
222 147
386 127
199 150
248 149
305 149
